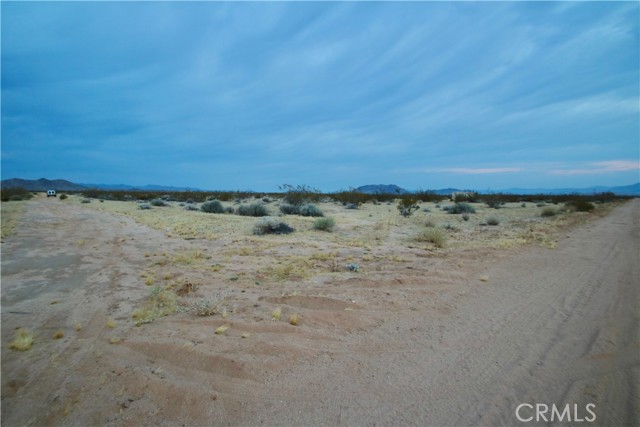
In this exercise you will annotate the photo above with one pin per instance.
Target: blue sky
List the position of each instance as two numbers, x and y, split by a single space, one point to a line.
328 94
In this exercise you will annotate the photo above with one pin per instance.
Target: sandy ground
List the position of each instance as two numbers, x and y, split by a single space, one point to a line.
418 337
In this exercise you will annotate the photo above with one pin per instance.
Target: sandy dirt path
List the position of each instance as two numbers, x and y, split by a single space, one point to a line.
440 347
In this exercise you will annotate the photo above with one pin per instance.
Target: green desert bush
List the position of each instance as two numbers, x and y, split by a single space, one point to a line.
324 224
288 209
212 206
309 209
63 196
270 225
254 209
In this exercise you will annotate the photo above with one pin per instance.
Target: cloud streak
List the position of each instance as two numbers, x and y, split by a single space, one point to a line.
598 168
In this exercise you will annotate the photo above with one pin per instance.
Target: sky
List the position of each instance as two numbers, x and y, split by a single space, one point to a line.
334 95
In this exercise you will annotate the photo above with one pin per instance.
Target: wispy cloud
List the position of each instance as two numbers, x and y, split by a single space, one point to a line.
465 171
597 168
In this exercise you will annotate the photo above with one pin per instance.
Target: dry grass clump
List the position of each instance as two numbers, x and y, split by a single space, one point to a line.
294 319
437 236
203 307
23 340
324 224
58 334
111 323
221 329
160 303
276 314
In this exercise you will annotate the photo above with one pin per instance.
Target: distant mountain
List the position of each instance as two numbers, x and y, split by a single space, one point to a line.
382 189
41 184
626 190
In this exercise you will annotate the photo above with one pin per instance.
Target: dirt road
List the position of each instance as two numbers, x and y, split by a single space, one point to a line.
431 346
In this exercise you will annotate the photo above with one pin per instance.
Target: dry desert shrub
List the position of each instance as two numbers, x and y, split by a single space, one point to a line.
492 220
23 340
437 236
548 211
186 288
270 225
58 334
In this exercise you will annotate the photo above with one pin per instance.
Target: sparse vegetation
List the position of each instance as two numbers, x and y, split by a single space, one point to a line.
58 334
276 314
111 323
63 196
548 211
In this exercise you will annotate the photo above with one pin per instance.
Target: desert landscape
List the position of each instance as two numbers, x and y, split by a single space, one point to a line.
155 312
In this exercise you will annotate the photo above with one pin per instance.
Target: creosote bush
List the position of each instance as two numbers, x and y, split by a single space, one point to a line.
548 211
270 225
407 206
212 206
